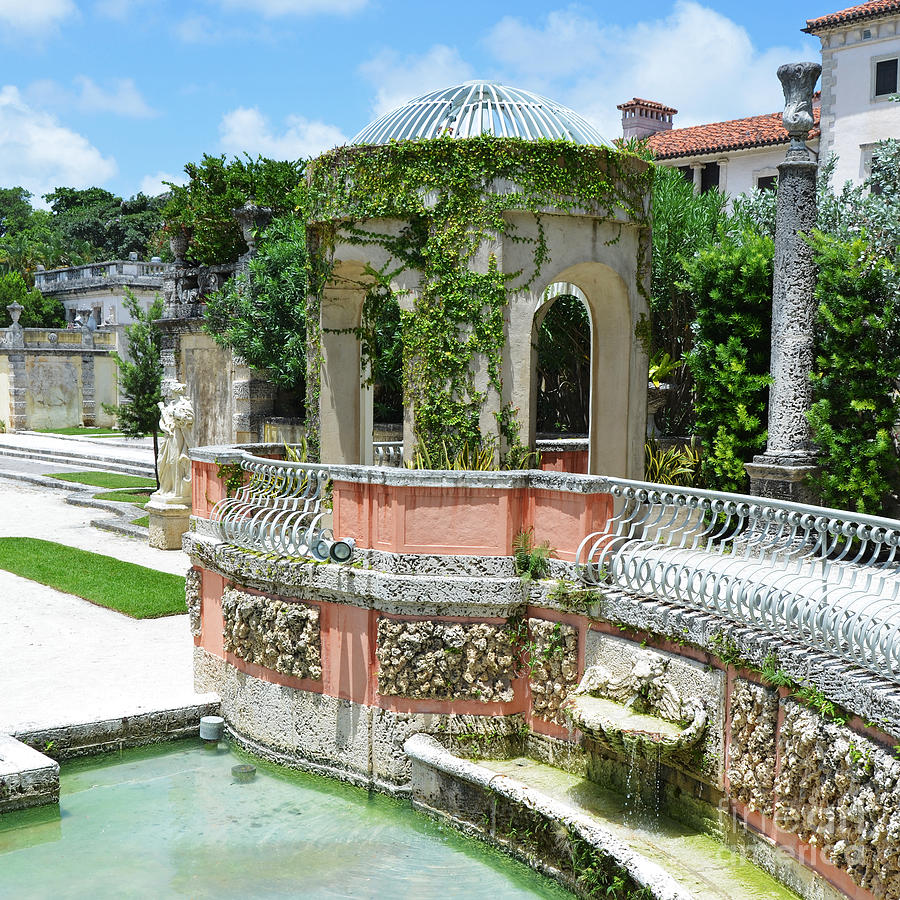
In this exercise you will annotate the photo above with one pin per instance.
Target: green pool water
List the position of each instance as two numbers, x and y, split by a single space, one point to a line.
172 821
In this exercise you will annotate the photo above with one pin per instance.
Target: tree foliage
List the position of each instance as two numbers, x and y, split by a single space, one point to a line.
856 374
731 283
684 223
140 376
261 314
39 311
203 209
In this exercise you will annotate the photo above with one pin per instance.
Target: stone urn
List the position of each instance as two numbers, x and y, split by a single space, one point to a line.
178 244
252 219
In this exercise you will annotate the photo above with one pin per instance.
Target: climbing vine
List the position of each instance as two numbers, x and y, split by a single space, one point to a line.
455 196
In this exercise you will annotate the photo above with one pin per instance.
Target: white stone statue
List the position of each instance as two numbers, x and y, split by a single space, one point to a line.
176 421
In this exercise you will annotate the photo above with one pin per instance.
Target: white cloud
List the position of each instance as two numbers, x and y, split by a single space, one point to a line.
273 8
397 79
121 98
695 59
246 129
152 185
32 15
40 154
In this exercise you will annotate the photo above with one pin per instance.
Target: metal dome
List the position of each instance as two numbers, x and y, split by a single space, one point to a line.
480 107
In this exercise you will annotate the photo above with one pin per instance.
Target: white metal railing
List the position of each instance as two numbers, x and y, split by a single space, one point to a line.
388 453
821 577
278 510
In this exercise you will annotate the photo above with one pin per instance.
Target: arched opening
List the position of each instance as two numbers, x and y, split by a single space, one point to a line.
563 365
561 373
382 353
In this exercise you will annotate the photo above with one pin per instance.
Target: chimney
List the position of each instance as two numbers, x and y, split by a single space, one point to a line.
641 118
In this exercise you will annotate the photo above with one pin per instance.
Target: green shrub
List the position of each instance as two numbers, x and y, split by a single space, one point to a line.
731 282
856 372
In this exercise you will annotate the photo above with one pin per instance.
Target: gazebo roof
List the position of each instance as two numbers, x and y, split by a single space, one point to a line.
480 107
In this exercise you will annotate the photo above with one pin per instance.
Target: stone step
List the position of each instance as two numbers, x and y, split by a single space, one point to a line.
70 458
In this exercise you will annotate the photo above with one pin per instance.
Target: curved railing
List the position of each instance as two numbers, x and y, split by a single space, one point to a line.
825 578
278 510
387 453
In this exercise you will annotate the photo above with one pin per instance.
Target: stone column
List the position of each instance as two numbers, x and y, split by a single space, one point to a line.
780 472
698 176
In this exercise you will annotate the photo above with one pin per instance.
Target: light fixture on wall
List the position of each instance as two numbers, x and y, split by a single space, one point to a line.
342 550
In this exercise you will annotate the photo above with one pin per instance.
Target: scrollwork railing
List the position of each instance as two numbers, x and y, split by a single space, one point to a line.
820 577
278 510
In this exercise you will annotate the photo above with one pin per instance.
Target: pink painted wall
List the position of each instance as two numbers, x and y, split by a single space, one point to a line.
575 461
206 488
459 521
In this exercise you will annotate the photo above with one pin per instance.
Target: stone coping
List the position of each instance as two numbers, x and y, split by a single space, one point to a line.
561 444
396 477
426 751
27 777
433 593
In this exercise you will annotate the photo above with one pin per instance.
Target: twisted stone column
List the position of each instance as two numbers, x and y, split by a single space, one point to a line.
789 457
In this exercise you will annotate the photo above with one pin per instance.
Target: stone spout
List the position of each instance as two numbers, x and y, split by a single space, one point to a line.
799 82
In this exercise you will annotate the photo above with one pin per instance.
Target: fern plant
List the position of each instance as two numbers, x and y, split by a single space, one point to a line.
531 560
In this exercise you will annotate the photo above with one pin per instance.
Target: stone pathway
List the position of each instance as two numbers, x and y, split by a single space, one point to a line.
64 660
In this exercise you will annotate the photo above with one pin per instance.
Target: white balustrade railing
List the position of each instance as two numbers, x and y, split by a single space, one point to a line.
826 579
388 453
278 510
820 577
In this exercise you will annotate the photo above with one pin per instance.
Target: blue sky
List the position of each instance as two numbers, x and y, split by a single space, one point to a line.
122 93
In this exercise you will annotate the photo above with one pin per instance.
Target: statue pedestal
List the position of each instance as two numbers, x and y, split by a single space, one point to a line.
168 522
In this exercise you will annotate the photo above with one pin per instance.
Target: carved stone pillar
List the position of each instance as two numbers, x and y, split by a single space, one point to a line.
781 471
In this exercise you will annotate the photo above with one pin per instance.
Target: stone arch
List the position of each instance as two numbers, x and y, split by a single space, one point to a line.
618 395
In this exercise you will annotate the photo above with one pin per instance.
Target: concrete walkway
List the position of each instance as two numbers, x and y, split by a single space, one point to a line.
64 660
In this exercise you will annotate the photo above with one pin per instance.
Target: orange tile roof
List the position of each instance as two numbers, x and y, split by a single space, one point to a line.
871 10
738 134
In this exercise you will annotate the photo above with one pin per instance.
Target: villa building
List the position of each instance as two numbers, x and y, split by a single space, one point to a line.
860 57
96 292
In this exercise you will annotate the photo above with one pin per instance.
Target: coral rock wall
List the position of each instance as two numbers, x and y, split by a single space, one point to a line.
841 791
445 661
192 598
751 756
281 636
553 658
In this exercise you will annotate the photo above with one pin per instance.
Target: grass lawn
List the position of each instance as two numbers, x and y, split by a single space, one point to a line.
139 498
134 590
142 522
79 430
106 479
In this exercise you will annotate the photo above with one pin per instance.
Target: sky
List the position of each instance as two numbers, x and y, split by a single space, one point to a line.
122 93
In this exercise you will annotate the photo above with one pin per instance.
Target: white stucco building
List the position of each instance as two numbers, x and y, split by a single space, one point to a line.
97 290
853 111
860 53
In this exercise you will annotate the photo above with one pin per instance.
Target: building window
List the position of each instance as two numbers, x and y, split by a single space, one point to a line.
709 177
885 77
767 182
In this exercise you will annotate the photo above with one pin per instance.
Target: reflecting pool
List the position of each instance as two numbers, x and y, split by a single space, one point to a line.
173 821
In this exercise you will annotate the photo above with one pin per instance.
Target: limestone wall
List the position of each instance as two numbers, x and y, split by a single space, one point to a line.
398 644
447 661
281 636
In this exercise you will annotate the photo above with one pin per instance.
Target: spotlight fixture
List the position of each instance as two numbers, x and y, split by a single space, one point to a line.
341 550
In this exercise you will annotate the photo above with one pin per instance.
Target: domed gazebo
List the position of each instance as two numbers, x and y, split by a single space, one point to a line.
553 210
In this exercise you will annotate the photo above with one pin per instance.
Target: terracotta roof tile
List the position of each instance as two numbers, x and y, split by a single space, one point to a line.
871 10
738 134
